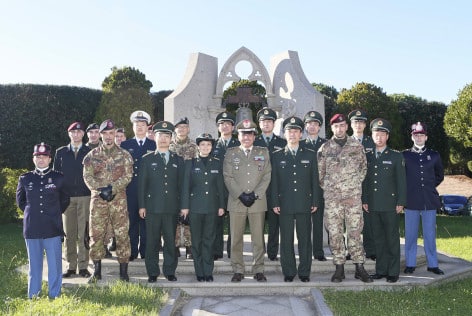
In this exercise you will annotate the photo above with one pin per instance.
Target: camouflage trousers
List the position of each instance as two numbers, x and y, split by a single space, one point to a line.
340 214
112 214
182 236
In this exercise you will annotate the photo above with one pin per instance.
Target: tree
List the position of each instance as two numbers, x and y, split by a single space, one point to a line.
125 90
415 109
458 126
376 103
330 100
158 104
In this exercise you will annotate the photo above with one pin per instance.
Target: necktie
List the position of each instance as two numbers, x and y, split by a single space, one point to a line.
76 150
267 140
226 143
140 143
294 153
163 155
378 154
247 151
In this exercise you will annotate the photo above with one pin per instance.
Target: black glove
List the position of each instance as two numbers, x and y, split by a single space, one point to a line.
247 198
106 193
184 220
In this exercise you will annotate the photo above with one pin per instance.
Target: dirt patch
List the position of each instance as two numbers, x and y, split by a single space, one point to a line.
461 185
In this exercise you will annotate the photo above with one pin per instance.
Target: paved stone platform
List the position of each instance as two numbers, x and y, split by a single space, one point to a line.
222 297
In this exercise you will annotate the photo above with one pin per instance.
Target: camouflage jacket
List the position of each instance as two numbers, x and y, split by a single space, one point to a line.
342 168
185 149
108 166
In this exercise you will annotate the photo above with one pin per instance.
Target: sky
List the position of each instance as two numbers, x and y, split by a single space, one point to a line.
415 47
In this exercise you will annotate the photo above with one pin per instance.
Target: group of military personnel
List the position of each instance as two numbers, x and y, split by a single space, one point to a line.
141 191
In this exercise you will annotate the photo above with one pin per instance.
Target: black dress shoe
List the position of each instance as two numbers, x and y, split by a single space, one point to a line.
200 278
84 273
392 279
107 253
288 279
237 277
320 258
216 257
152 279
273 258
436 271
69 273
171 278
348 256
209 278
372 257
131 258
377 276
409 270
260 277
304 278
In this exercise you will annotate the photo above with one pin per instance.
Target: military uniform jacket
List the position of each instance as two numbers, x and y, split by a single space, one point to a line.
294 184
42 198
160 184
219 150
137 152
203 186
72 169
315 146
108 166
276 143
385 184
185 149
247 174
342 168
424 172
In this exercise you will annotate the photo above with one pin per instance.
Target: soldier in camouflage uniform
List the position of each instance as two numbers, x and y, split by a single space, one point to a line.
107 171
342 167
187 149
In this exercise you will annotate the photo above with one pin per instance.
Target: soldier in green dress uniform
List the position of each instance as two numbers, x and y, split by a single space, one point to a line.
295 195
358 120
203 201
266 118
384 196
159 186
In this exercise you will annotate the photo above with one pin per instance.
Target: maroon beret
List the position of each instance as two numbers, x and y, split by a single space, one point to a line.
337 118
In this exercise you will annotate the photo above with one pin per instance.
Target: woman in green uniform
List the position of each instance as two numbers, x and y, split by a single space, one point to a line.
203 201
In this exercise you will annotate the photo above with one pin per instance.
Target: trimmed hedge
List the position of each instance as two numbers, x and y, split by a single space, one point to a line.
40 113
9 212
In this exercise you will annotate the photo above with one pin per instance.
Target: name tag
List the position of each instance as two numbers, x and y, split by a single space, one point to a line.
214 171
388 162
174 165
305 161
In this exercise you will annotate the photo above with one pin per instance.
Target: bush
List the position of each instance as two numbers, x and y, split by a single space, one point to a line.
9 212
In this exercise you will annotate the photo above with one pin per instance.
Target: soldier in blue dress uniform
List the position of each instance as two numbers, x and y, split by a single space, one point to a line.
41 196
266 118
137 146
424 172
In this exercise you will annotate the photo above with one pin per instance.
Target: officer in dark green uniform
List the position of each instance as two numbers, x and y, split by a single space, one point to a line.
225 122
203 201
358 120
266 118
383 196
295 195
313 121
159 185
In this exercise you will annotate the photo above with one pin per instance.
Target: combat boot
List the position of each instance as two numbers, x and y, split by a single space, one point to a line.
97 271
361 274
338 275
124 272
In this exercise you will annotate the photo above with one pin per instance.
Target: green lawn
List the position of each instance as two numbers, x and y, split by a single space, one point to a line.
454 237
117 299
